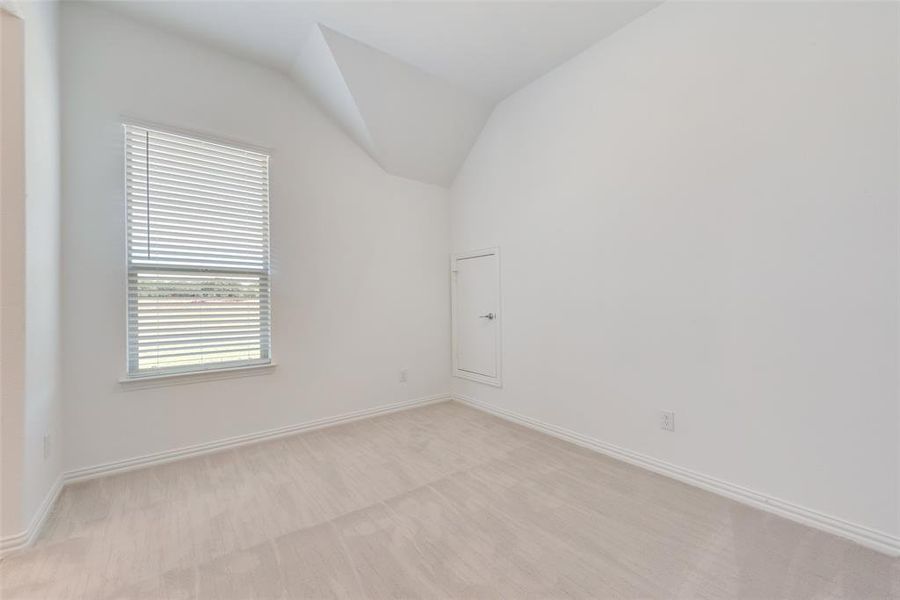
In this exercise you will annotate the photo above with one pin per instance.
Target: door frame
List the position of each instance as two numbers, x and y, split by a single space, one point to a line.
457 372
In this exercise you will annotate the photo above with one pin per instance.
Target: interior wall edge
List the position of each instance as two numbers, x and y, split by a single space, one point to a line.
26 538
870 538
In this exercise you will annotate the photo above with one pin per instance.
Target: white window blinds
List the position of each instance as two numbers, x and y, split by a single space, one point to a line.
198 254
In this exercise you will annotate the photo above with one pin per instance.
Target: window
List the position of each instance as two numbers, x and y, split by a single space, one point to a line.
198 254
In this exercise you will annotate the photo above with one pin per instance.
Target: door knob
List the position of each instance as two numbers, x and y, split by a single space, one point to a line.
489 316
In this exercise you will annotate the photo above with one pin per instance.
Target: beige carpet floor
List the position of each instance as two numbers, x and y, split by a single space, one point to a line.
438 502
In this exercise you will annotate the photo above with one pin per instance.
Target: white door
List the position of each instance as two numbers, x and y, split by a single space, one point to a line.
476 316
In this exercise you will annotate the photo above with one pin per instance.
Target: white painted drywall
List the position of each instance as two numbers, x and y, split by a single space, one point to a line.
489 48
699 214
422 127
43 327
359 282
318 72
412 123
40 351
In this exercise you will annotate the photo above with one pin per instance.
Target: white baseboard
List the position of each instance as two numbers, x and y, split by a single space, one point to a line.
876 540
880 541
157 458
22 540
26 538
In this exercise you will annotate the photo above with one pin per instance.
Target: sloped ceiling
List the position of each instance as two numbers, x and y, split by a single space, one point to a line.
318 71
411 82
413 124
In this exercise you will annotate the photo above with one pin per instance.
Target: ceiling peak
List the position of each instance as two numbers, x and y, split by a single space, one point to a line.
415 125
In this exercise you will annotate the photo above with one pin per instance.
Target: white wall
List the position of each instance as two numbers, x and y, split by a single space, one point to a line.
41 405
43 328
359 283
699 214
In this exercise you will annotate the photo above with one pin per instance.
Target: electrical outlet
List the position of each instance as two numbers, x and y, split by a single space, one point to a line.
46 446
404 375
667 420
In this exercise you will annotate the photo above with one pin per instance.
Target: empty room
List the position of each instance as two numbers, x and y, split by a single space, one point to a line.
449 300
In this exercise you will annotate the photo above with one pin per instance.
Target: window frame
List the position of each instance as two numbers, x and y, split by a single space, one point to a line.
201 371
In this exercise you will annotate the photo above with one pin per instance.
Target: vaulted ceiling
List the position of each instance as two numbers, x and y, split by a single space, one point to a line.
411 82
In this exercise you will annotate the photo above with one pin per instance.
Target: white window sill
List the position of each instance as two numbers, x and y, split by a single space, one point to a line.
194 376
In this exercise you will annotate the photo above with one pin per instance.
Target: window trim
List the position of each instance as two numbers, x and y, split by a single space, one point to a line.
164 379
192 373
